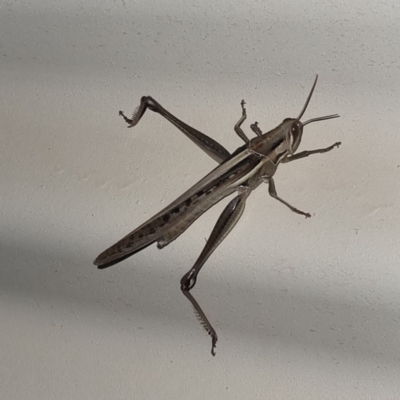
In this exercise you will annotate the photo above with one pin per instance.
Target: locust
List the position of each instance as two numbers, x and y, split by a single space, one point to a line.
242 171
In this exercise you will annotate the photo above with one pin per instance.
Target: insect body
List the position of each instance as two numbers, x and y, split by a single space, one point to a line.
242 171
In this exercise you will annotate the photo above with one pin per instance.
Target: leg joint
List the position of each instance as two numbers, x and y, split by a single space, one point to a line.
188 281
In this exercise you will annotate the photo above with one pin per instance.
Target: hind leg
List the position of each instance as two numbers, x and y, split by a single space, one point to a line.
208 145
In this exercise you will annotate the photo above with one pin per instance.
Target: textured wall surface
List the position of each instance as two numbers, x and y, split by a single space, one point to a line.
304 309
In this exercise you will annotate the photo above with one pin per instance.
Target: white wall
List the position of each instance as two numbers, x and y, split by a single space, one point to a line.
304 309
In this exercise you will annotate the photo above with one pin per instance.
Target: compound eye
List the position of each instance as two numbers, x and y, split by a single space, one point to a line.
294 130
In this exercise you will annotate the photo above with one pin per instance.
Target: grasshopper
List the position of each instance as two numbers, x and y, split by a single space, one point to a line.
242 171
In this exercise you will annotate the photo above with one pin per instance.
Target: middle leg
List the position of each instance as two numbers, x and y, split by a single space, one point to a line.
237 128
274 194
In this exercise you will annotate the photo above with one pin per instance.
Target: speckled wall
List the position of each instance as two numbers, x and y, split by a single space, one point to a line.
304 309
